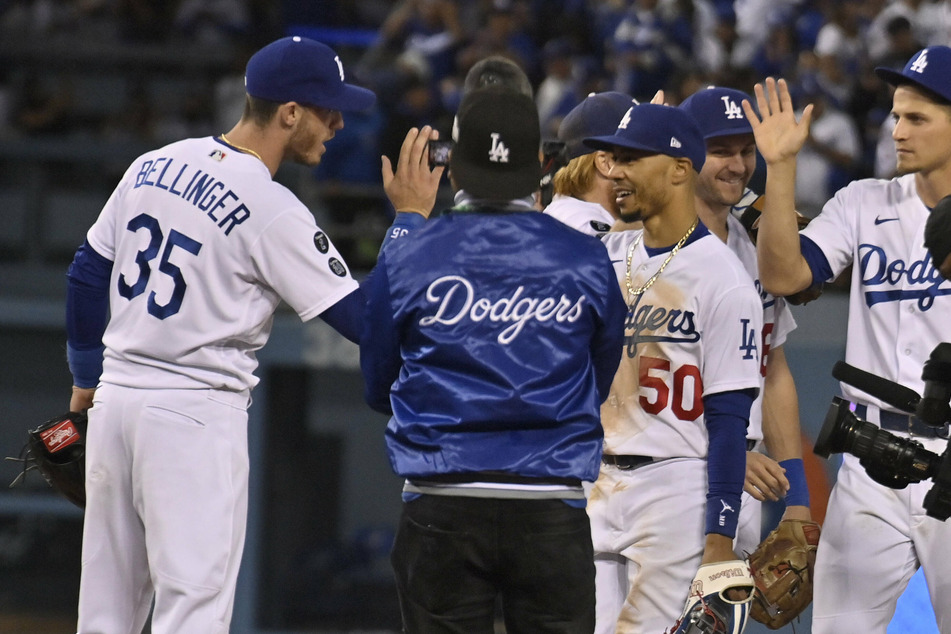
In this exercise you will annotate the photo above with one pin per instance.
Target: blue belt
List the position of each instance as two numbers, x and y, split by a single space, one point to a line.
905 423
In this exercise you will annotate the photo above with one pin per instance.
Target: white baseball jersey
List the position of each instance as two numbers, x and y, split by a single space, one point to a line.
778 321
695 331
203 240
589 218
899 311
899 305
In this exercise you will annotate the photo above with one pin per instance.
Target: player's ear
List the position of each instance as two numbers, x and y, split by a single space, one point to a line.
603 161
681 169
289 114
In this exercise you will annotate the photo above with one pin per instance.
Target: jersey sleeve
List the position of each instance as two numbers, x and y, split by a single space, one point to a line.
297 259
833 231
783 323
732 337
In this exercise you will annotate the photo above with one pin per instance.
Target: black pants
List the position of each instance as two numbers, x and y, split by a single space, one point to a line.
453 557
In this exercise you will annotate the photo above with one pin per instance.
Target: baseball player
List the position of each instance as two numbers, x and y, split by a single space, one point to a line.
190 258
729 166
874 538
668 496
583 192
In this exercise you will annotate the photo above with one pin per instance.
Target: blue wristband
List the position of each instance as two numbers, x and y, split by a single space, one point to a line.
798 494
723 515
85 365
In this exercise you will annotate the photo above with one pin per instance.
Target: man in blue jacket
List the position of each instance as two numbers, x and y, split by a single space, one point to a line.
492 336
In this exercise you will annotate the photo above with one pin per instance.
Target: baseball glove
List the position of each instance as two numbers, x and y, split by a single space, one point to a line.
783 568
748 212
57 449
709 609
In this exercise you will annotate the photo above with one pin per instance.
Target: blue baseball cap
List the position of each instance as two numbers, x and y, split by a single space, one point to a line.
659 129
306 71
598 114
718 111
929 68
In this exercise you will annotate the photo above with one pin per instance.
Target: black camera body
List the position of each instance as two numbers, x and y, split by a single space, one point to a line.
889 459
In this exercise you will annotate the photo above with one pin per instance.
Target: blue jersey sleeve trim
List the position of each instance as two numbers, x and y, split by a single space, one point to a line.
727 415
816 259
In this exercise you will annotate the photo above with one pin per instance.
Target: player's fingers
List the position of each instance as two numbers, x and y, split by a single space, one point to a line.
420 155
406 149
751 115
387 171
785 99
772 95
755 493
658 98
806 120
761 104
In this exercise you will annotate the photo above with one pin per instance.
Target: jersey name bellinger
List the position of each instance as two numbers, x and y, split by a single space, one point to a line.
199 188
456 299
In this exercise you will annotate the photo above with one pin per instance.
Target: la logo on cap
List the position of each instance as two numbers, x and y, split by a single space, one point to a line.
730 109
499 153
921 62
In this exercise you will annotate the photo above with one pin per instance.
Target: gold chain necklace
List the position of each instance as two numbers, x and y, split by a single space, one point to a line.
243 149
634 292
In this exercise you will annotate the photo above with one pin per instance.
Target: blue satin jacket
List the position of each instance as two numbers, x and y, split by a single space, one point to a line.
492 337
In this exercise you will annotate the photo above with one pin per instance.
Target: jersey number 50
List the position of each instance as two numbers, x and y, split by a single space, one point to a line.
673 394
144 261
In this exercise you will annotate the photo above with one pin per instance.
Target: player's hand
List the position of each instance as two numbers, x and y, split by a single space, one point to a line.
779 137
719 548
413 186
658 98
81 399
765 478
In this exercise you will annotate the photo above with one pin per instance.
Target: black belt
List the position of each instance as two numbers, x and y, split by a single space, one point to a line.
905 423
628 462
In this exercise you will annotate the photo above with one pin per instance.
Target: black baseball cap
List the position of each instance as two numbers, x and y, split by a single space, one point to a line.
597 115
306 71
495 156
929 68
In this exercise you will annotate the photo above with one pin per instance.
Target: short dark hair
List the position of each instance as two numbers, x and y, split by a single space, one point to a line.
260 111
497 70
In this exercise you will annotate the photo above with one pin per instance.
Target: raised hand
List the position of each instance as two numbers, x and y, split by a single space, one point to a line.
413 186
778 135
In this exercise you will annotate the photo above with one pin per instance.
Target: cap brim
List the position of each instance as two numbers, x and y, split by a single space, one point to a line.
892 77
613 141
729 132
494 184
350 99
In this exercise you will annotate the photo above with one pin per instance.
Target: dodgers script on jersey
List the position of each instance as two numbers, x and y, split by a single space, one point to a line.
778 321
899 299
181 207
695 331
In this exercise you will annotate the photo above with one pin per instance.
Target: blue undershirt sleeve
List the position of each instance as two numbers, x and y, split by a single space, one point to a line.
87 312
727 415
816 259
346 316
380 359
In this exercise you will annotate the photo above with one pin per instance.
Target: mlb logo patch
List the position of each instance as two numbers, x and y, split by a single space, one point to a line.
218 155
60 436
